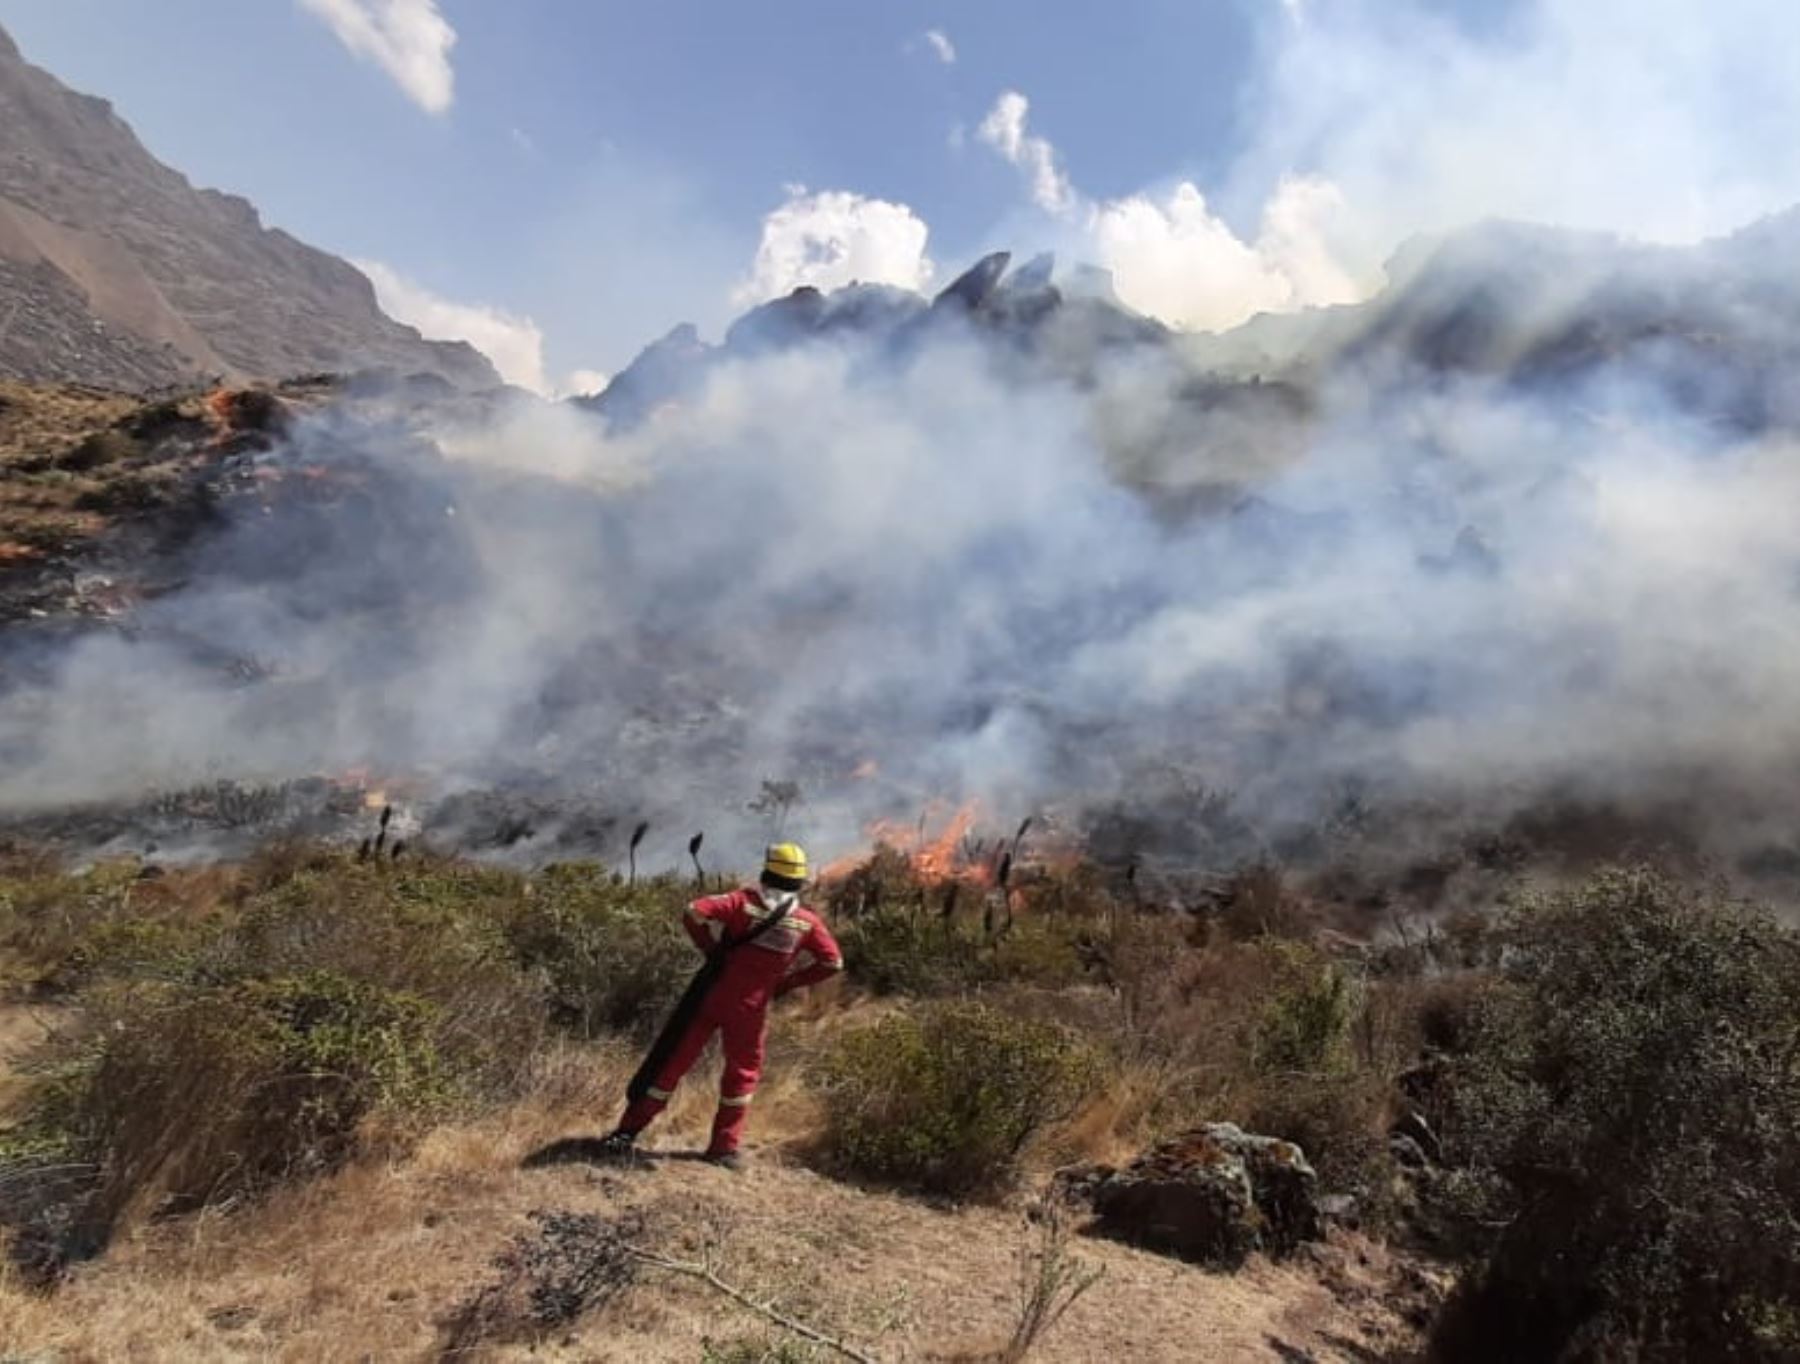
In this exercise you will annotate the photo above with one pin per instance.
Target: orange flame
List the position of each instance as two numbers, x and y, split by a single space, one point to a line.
218 407
935 858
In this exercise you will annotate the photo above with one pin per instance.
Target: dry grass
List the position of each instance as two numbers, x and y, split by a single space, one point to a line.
369 1263
72 457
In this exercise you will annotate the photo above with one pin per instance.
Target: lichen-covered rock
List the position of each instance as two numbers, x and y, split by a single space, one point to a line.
1212 1195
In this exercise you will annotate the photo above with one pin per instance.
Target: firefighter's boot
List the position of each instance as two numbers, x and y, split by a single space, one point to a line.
619 1148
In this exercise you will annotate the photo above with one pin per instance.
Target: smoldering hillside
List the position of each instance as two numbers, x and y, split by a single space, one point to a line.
1505 550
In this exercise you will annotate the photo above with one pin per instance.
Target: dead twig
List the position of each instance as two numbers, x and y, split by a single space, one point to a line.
1051 1280
705 1273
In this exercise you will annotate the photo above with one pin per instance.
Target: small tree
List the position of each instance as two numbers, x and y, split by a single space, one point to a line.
1634 1098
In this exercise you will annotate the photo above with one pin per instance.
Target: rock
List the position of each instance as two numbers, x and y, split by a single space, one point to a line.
972 288
666 370
1033 276
1212 1195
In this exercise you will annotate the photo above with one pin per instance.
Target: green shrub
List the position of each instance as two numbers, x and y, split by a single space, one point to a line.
944 1099
237 1031
614 956
905 952
47 916
180 1096
432 931
1304 1024
1633 1100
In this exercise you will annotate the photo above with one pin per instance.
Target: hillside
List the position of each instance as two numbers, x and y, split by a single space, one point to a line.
115 270
376 1262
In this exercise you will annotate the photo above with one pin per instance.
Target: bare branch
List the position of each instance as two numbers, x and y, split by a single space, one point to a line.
704 1273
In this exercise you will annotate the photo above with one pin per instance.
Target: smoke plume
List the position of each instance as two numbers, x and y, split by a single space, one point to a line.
1515 531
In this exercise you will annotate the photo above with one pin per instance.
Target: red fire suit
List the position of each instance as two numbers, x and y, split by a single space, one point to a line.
796 952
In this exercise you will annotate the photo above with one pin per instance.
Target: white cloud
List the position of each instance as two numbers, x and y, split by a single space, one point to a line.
940 44
835 238
1177 261
514 344
1172 257
409 39
1004 130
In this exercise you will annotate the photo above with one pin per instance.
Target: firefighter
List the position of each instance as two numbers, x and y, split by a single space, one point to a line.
761 943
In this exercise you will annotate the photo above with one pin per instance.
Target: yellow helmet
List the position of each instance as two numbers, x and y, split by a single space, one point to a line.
784 865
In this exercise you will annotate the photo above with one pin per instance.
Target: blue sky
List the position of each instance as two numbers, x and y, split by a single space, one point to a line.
604 168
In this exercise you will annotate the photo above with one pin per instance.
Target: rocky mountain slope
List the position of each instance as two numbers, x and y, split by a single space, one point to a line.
115 270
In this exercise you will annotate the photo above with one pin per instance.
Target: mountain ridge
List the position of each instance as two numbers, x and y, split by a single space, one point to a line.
116 270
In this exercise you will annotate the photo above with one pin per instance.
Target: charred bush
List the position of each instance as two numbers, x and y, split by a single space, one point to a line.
545 1280
126 492
250 410
98 451
945 1099
1257 902
1632 1102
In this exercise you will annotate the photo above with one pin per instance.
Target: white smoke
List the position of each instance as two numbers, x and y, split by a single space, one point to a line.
989 582
1004 129
1461 586
1661 119
1375 122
